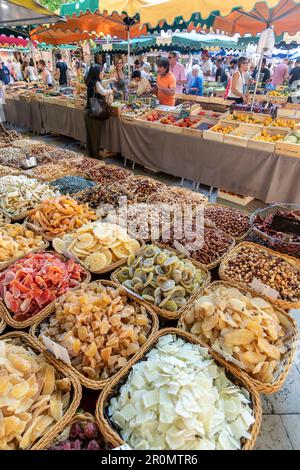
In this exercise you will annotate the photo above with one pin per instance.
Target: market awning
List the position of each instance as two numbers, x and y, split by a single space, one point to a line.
151 12
25 12
8 41
84 21
284 17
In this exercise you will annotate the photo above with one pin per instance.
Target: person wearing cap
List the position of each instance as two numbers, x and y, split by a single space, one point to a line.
207 64
177 70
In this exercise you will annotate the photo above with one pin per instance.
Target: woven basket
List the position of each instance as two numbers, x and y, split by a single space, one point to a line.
89 383
161 312
284 304
245 234
2 325
160 187
7 219
290 341
208 266
76 387
108 430
110 267
64 433
5 264
26 323
15 218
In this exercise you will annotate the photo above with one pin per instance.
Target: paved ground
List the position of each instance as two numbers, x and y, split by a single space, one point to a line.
281 412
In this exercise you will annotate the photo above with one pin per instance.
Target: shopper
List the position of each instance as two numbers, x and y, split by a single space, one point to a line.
166 83
61 72
264 71
177 70
140 85
189 75
119 75
281 73
17 71
46 75
238 86
196 87
4 73
207 64
94 90
219 70
295 72
32 71
25 71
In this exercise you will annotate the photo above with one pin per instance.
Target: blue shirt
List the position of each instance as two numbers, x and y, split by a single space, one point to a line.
4 75
197 82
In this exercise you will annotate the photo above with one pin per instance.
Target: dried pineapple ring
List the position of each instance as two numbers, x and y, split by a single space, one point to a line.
85 240
59 245
95 262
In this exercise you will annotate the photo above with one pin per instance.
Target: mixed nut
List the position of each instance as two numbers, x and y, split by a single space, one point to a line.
250 262
231 221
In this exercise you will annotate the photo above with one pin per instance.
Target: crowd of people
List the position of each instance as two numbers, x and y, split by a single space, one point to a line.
30 71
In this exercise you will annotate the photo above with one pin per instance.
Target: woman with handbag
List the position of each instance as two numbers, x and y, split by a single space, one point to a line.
97 108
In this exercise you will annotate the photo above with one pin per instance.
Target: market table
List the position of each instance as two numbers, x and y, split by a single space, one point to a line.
269 177
24 113
47 117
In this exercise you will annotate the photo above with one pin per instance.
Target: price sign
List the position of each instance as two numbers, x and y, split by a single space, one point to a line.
123 447
57 350
284 224
184 113
261 288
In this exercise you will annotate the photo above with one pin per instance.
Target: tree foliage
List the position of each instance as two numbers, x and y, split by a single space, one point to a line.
53 5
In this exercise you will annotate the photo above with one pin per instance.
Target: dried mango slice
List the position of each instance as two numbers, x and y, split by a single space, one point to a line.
239 337
269 349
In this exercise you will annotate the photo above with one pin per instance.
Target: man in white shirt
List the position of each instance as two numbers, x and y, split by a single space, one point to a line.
207 64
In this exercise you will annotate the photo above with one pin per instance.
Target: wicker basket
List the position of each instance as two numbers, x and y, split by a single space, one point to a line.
7 219
124 185
208 266
89 383
109 432
160 311
64 433
240 237
2 325
284 304
15 218
6 264
286 361
291 248
110 267
76 387
26 323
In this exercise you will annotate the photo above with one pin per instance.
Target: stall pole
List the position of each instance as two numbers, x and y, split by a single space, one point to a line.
128 52
257 79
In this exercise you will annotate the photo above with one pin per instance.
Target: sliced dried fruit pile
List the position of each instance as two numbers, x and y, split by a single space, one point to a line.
82 435
97 245
177 398
33 282
16 240
33 395
101 328
247 328
162 277
60 215
19 194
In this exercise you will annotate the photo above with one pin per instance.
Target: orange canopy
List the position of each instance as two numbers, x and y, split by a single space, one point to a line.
88 25
284 17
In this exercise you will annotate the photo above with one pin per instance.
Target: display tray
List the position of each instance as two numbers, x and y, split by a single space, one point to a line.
211 134
267 146
241 135
288 148
236 198
260 116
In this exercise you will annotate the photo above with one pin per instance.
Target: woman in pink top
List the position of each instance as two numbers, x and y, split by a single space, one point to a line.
280 74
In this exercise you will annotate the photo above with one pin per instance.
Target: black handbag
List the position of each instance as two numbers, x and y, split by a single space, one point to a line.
99 109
